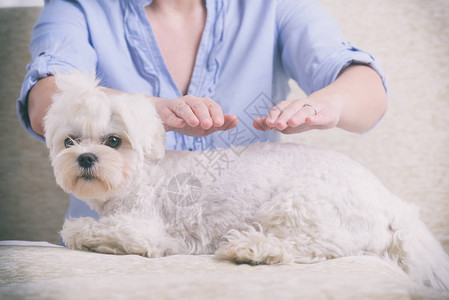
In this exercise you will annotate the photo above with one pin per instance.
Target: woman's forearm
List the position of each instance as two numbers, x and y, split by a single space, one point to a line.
39 99
360 92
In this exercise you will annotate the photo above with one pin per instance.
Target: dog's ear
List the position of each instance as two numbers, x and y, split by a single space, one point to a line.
141 123
76 82
77 96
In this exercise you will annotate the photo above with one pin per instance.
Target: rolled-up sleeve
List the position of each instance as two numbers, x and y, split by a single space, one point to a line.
313 48
60 43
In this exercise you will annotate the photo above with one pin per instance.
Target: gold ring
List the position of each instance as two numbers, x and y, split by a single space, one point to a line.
309 105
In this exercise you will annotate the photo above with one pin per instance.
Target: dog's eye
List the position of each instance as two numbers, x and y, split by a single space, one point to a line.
68 142
113 141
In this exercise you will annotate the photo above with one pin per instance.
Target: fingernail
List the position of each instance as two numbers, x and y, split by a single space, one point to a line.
193 122
280 126
219 120
207 123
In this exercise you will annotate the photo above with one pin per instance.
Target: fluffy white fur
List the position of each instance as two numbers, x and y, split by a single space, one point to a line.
273 203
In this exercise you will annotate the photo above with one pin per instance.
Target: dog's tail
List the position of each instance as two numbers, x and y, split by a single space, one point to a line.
418 252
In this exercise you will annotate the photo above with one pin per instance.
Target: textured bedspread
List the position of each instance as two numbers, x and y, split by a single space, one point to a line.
39 272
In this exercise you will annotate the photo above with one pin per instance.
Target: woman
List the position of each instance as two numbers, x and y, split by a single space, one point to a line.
206 65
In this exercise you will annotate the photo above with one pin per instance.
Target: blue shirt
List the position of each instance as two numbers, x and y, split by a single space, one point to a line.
248 51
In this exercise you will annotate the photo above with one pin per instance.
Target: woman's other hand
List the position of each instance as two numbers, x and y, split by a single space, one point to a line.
295 116
193 116
355 101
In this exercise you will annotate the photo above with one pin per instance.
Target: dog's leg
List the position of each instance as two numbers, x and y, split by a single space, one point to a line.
300 221
253 246
118 235
284 234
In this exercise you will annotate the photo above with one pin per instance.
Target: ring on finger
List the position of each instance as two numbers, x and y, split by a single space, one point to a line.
310 105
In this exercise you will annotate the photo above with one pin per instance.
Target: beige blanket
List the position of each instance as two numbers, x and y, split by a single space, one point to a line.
39 272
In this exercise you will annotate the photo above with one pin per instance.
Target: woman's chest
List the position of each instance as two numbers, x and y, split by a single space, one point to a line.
178 40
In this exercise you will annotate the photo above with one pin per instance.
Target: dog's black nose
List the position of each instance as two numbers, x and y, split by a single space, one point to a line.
87 160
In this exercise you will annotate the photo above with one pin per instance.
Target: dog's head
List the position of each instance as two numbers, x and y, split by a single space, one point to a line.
99 141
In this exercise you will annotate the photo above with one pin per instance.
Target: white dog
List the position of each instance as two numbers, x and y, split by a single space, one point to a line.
273 203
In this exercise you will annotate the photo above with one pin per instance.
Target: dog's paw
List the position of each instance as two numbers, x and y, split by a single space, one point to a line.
255 248
87 234
117 235
82 234
77 233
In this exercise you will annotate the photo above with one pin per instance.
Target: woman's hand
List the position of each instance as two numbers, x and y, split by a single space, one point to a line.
193 116
295 116
355 101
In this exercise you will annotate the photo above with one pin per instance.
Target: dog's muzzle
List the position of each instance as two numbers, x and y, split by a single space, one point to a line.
87 160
